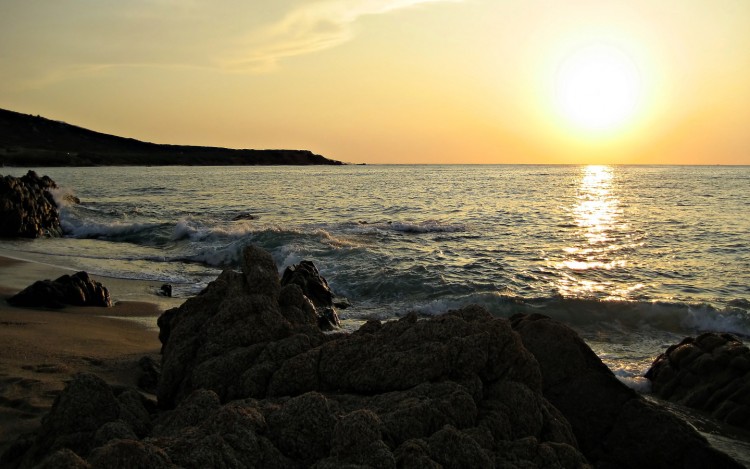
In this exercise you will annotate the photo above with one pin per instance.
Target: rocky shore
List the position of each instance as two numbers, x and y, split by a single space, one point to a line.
710 372
249 379
27 208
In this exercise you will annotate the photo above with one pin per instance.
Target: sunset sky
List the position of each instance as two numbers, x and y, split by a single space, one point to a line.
394 81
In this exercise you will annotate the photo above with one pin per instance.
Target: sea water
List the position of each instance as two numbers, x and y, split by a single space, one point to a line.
633 257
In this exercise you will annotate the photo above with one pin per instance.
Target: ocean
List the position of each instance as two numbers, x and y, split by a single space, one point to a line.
633 257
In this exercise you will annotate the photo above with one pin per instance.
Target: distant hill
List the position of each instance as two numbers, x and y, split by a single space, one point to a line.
27 141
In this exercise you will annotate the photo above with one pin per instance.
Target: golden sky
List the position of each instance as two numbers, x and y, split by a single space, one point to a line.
394 81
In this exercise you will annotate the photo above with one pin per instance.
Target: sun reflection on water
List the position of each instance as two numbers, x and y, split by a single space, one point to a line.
596 211
599 241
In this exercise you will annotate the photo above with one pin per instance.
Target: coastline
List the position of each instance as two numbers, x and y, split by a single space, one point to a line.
42 349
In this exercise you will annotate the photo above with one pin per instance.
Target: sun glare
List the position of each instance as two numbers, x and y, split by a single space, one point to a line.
597 88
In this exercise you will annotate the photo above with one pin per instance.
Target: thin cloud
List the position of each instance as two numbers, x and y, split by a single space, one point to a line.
307 29
182 35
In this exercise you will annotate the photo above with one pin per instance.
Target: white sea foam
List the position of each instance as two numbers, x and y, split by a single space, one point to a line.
219 257
338 242
194 230
637 383
707 318
63 196
289 255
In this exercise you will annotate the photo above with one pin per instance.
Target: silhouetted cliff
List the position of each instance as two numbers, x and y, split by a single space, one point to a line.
27 140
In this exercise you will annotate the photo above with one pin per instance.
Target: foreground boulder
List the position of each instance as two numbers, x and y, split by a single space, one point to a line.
27 209
76 290
614 426
248 379
710 372
87 414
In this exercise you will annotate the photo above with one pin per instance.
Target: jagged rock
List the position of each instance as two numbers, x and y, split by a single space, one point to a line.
217 336
710 372
27 209
608 418
315 287
260 272
78 290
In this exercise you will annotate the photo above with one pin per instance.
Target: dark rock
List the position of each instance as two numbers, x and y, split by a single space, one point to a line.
452 448
302 428
341 302
148 377
85 405
27 209
315 287
78 290
135 411
114 430
296 307
235 435
215 337
328 320
357 440
244 216
415 453
260 272
64 459
166 290
609 419
128 454
192 411
710 372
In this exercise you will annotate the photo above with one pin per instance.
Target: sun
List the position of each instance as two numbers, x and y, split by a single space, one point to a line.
597 88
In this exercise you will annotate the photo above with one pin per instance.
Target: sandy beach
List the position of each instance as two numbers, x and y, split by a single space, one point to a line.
41 349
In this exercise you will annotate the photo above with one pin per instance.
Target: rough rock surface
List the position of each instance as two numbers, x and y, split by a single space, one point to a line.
78 290
306 276
27 209
249 380
608 418
710 372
